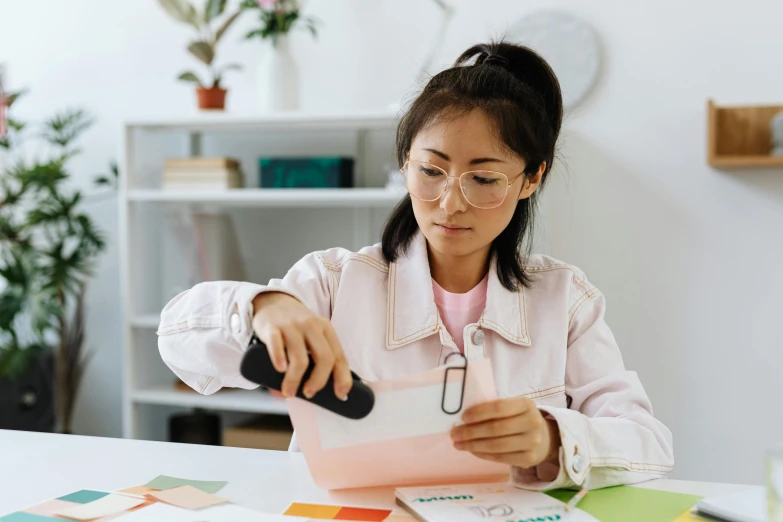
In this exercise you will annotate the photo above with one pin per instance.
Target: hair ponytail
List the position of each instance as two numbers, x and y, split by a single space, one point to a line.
519 93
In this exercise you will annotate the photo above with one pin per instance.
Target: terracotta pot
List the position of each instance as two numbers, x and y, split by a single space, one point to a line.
213 98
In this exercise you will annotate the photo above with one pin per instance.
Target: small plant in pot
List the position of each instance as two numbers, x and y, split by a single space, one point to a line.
210 26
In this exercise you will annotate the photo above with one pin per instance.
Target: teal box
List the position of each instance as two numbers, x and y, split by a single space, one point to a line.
321 172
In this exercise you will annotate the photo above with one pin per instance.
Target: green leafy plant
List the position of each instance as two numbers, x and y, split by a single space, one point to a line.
278 18
48 250
203 48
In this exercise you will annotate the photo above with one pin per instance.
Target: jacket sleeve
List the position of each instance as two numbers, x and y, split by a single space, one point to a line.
204 331
608 433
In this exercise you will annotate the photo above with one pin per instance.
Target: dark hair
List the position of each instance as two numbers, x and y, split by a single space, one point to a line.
520 94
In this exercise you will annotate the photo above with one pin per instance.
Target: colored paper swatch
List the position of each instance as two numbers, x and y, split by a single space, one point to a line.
161 512
138 490
312 511
690 516
188 497
26 517
362 514
163 482
623 503
324 512
103 507
400 516
49 509
84 496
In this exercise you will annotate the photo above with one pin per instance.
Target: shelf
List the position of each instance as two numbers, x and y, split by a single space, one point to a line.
747 161
251 401
145 321
225 121
740 137
356 197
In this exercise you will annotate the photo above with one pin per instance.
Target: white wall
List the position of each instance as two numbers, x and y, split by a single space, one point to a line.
688 258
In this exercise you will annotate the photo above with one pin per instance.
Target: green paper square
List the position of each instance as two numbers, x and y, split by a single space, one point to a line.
25 517
624 503
84 496
163 482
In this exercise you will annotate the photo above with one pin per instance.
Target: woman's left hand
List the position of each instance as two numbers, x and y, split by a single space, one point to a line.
512 431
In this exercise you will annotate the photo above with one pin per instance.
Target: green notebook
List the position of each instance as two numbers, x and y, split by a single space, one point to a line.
626 503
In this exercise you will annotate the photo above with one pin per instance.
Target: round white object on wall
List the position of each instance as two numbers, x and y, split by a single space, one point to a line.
569 45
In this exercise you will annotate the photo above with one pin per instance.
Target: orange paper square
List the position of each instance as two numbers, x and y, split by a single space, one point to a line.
362 514
138 490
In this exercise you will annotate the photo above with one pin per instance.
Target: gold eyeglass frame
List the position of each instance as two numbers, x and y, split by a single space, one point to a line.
461 187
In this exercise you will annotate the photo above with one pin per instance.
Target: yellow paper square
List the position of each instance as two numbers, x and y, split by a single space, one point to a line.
312 511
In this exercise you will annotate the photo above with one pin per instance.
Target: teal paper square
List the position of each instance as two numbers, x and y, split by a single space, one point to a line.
83 497
25 517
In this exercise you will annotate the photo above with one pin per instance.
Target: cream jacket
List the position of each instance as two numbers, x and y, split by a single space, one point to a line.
548 342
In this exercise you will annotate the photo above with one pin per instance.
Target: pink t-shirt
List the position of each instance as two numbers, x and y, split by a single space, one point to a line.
459 310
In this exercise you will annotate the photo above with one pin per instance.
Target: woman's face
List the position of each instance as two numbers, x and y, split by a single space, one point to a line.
452 226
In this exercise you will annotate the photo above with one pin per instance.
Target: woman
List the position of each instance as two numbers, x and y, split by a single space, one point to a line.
475 148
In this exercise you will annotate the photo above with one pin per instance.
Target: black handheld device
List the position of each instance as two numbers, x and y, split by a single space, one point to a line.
257 367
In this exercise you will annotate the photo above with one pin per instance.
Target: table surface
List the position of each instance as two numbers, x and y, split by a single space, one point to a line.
37 467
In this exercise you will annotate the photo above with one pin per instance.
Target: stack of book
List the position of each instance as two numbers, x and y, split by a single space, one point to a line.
201 173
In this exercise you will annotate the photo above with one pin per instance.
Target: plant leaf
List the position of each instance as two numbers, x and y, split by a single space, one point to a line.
255 33
12 97
313 29
17 126
204 51
213 9
230 67
66 127
15 360
182 11
225 25
189 77
110 180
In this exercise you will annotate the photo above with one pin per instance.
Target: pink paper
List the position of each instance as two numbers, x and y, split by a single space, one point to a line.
426 459
50 508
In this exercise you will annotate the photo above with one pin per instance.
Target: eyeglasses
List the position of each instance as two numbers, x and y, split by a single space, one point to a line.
482 188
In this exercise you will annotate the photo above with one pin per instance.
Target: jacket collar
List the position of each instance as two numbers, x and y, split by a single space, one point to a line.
413 315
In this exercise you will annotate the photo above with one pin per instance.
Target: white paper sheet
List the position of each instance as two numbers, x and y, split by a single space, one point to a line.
399 414
488 503
223 513
105 506
746 506
396 414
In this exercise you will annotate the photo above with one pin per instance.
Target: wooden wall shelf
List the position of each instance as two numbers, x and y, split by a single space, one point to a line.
740 137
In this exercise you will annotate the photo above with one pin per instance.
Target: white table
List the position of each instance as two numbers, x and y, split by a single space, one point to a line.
35 467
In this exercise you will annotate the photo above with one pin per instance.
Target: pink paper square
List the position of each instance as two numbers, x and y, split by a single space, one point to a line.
48 509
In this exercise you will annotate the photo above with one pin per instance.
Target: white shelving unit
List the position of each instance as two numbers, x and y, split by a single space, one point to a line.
274 226
274 198
227 400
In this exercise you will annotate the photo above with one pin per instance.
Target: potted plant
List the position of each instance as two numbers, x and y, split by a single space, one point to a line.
48 249
211 94
277 72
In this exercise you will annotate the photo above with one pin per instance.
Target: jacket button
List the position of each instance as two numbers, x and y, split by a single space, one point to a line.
236 324
478 337
578 463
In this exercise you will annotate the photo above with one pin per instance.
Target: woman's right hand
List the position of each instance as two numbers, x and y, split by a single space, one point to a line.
292 334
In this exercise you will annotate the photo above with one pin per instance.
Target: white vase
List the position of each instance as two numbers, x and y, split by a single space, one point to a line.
278 77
